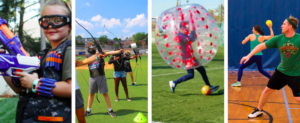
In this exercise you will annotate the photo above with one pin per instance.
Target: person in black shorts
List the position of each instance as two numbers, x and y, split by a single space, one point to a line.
128 67
288 71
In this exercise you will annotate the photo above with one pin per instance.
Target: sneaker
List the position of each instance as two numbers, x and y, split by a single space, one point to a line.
236 84
255 113
117 99
128 99
172 86
88 113
214 88
134 84
112 113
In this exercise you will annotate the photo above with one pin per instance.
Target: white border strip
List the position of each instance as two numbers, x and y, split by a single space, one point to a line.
149 61
226 61
73 2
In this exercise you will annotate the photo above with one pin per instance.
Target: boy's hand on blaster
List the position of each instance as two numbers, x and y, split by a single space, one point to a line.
27 79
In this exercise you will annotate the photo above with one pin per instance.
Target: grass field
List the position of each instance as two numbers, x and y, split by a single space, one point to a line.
125 110
187 104
8 108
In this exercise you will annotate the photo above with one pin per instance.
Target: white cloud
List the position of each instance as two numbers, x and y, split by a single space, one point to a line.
140 20
127 20
102 33
88 4
125 30
131 34
110 23
85 24
82 35
96 18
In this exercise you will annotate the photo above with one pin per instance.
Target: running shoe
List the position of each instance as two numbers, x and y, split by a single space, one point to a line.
128 99
134 84
112 113
236 84
255 113
172 86
214 88
88 113
117 99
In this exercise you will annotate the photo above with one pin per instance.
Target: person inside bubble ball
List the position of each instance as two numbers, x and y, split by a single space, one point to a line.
187 33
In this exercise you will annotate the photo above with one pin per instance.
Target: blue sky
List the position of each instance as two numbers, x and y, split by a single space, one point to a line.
158 6
121 17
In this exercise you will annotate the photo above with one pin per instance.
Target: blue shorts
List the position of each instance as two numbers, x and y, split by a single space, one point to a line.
119 74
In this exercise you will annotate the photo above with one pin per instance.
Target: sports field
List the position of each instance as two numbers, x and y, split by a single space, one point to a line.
187 104
126 111
8 109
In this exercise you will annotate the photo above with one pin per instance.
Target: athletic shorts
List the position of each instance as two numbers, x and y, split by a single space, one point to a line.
128 69
118 74
279 80
79 99
98 83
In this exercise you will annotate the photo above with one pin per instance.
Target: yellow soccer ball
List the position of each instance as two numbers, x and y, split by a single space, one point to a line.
206 90
268 22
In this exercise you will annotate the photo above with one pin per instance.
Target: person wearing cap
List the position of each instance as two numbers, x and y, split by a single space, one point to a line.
187 33
288 71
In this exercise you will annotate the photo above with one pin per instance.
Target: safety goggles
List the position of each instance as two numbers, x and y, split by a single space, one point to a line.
92 47
56 21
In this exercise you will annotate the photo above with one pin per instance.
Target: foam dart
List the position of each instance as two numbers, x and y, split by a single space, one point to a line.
44 89
47 59
268 22
46 95
47 82
59 61
51 60
47 85
47 79
56 61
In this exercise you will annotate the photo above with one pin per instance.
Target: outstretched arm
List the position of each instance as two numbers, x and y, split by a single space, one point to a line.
257 49
114 52
246 39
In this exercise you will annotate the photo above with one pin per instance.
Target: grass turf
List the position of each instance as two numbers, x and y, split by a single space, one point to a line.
187 104
8 109
125 110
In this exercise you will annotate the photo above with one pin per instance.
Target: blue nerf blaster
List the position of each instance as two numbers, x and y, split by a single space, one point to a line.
17 59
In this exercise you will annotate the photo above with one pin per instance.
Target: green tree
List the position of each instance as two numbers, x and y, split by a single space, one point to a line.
117 39
78 37
8 10
116 45
140 36
22 8
103 39
218 14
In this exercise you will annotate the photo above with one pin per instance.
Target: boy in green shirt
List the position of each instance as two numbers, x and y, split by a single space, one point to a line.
288 71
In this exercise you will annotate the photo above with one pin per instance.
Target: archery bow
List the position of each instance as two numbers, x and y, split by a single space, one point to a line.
99 50
122 55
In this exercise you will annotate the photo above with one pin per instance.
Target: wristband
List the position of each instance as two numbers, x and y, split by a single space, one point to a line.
45 87
97 58
34 85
